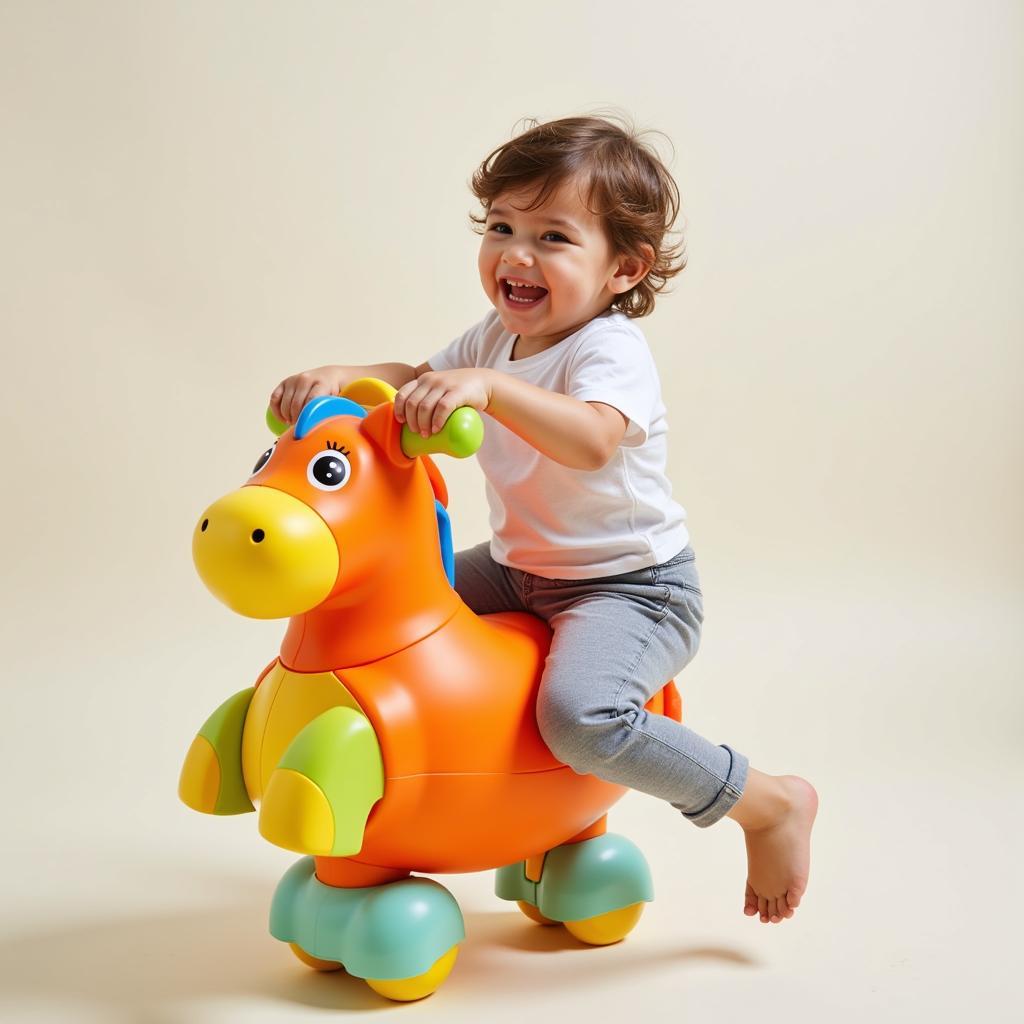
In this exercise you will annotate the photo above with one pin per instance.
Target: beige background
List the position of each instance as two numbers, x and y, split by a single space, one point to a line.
200 198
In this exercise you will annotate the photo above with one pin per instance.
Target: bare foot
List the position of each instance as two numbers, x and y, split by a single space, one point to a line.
777 814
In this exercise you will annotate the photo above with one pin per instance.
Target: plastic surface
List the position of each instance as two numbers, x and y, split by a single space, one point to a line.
211 777
199 783
582 880
460 437
296 814
376 626
370 392
444 538
321 793
385 932
326 966
284 703
606 928
408 989
317 410
277 428
396 732
265 553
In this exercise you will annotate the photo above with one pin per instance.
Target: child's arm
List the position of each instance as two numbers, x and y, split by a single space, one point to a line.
289 397
580 435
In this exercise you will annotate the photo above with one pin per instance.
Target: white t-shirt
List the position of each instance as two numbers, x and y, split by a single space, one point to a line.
564 523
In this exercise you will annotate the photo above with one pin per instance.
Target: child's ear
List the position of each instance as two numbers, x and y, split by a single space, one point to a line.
632 269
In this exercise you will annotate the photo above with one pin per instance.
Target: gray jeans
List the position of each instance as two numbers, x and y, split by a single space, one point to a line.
616 641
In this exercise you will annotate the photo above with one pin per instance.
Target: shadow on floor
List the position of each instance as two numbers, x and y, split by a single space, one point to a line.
142 968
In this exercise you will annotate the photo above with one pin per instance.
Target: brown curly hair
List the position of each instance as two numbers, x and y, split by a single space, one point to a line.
624 183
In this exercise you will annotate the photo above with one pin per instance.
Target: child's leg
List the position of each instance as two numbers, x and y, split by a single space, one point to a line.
616 642
486 585
777 814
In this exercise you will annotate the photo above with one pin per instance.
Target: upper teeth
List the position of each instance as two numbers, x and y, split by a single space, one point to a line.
528 284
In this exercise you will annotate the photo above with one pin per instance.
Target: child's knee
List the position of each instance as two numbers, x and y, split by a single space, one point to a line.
581 735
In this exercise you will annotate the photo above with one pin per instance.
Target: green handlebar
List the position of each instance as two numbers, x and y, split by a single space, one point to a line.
460 437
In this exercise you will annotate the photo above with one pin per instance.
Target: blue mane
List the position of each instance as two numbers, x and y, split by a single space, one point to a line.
322 408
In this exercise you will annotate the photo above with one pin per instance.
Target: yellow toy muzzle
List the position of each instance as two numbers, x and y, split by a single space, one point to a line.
264 553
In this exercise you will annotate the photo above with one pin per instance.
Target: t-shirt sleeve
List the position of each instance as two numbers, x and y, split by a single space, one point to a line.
617 369
464 351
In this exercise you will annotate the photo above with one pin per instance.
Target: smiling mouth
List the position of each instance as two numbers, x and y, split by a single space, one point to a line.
521 293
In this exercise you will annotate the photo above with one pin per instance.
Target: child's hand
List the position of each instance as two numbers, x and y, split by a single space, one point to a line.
427 402
289 397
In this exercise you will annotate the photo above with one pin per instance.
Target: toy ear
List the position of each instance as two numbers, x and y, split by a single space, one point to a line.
381 427
370 391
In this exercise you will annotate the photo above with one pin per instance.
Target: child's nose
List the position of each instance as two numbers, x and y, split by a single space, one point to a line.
517 256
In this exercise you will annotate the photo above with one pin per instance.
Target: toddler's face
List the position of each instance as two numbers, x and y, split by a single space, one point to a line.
550 270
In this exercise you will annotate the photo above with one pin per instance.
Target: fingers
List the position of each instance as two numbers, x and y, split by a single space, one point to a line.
275 400
425 404
441 404
400 396
291 395
425 411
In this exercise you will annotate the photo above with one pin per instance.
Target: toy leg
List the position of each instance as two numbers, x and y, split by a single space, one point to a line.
320 795
211 777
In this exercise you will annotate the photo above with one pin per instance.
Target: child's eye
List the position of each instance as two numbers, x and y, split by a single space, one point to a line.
502 229
555 236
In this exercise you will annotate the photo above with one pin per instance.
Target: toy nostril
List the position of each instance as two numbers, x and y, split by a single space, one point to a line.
206 523
257 536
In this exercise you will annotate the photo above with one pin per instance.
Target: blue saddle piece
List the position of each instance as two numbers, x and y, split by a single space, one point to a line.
444 535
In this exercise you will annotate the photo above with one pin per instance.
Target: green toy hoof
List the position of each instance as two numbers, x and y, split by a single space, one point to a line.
580 881
396 931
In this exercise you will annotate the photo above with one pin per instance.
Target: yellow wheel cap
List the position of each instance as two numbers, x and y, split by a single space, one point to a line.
405 990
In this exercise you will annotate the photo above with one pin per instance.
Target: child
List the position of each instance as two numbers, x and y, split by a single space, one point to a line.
586 533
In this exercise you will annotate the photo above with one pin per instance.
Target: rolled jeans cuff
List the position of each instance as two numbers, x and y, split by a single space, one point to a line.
727 796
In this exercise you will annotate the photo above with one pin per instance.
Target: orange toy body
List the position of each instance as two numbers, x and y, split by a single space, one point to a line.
383 664
469 783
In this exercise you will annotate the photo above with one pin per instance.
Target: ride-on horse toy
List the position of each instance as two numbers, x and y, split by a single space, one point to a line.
395 732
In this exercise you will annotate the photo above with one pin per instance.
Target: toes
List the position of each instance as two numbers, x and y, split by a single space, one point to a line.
774 914
762 909
793 898
750 902
784 908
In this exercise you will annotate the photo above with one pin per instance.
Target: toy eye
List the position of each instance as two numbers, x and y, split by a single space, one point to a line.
328 471
262 460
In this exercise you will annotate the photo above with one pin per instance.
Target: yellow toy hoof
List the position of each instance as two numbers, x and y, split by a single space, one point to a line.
311 961
200 777
295 814
533 913
605 929
405 990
